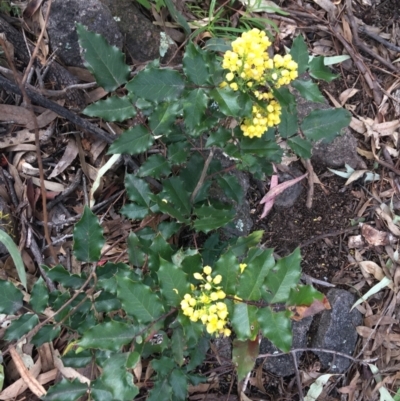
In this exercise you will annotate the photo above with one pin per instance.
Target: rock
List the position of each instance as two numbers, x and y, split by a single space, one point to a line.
283 365
336 330
289 196
343 150
142 37
64 14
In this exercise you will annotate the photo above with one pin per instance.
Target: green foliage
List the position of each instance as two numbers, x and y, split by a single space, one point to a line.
128 312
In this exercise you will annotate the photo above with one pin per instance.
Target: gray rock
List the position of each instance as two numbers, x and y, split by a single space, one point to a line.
336 330
283 365
343 150
142 37
64 14
289 196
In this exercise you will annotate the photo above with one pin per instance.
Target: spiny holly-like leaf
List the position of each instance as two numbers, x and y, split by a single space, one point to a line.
194 64
253 276
77 360
61 275
178 345
243 244
105 62
176 193
299 52
138 190
300 146
66 391
210 218
173 282
244 354
139 301
284 276
228 267
159 248
285 98
21 326
261 147
179 384
325 124
113 108
45 335
319 70
277 327
230 185
88 237
157 85
304 295
132 141
288 125
163 116
10 299
15 254
244 321
39 296
178 153
117 379
309 90
107 302
194 107
108 336
162 390
155 166
232 103
169 208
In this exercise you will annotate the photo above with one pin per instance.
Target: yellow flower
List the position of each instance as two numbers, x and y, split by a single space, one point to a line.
207 270
242 266
217 279
198 276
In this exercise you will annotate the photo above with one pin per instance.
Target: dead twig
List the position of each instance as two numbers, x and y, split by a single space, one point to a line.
310 193
325 235
390 46
203 175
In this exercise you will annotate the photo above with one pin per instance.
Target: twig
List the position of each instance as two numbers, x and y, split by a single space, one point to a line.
379 39
331 234
203 175
67 191
328 351
310 193
308 279
297 375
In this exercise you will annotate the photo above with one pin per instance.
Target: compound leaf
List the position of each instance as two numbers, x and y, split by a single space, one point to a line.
132 141
113 108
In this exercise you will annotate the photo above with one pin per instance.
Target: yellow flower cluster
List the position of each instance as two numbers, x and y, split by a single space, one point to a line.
261 119
250 66
206 305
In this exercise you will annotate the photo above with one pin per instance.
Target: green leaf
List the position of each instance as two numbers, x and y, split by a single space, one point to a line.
11 298
39 296
309 90
299 53
173 282
177 16
219 137
228 267
139 301
132 141
244 321
252 278
106 302
243 244
178 345
45 335
138 190
66 391
319 70
117 379
21 326
261 147
108 336
304 295
161 391
157 85
194 107
300 146
88 237
77 360
159 248
178 153
163 116
232 103
244 354
277 327
285 98
209 218
105 62
288 125
176 193
179 384
113 108
134 212
168 207
15 254
155 166
194 64
218 45
60 275
325 124
230 185
284 276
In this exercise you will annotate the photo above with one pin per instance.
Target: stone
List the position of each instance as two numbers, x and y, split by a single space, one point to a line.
336 330
142 37
283 365
64 15
290 195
